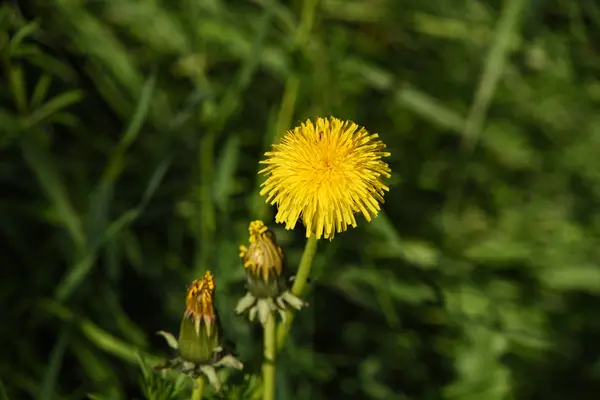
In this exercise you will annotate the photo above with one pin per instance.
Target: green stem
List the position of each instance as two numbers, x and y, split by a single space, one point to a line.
299 283
198 389
268 367
288 104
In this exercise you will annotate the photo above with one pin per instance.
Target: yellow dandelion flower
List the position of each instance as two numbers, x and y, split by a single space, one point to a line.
325 173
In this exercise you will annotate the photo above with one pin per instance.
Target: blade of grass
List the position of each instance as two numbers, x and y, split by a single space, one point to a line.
125 326
52 107
100 200
389 244
225 182
90 35
28 385
9 127
3 394
51 65
430 109
44 168
83 267
232 98
111 344
141 113
157 177
47 388
41 90
18 86
22 34
98 336
75 276
97 232
103 376
507 29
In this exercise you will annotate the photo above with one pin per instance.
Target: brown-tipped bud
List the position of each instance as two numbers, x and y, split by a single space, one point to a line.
200 336
263 260
200 333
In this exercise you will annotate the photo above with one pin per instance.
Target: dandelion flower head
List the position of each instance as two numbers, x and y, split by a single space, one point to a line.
324 173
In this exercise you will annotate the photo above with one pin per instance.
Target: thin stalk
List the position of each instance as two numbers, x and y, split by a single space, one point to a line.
268 367
198 389
310 249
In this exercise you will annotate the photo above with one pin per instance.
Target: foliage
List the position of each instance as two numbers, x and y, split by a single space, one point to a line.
130 135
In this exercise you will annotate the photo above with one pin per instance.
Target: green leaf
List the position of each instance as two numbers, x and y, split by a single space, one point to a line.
41 90
27 30
44 168
94 365
98 336
99 209
480 373
79 271
49 383
3 394
429 108
507 28
51 107
18 87
572 277
225 174
9 127
389 244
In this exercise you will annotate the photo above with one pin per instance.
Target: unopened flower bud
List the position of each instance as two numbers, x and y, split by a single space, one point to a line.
200 342
263 260
199 332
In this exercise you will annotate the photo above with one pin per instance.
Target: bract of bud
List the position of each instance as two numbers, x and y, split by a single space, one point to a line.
196 343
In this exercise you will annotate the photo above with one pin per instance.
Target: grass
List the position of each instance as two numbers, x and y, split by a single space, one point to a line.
130 135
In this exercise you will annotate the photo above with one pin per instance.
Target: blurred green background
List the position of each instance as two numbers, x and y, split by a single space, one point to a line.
130 136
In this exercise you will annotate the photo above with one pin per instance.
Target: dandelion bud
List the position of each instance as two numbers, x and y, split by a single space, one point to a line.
200 332
263 261
200 343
